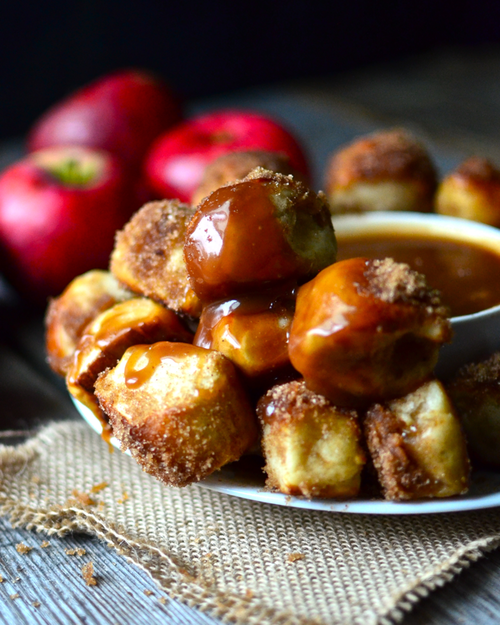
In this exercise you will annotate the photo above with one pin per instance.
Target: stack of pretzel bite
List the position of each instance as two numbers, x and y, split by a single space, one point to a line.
228 328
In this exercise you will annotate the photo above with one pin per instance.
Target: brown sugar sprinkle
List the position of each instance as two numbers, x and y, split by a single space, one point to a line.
397 282
45 544
23 549
84 498
88 574
75 552
294 557
98 487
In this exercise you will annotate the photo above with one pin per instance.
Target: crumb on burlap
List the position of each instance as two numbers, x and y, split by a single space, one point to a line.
98 487
124 497
84 498
45 544
88 574
23 549
293 557
148 593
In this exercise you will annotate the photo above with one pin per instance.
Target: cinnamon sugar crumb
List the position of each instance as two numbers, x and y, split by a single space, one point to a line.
124 497
84 498
397 282
163 600
294 557
23 549
75 552
98 487
1 580
15 596
148 593
36 604
88 574
45 544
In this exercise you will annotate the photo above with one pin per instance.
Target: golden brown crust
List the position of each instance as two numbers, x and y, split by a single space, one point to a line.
417 446
393 156
311 447
236 165
67 315
472 191
148 255
185 417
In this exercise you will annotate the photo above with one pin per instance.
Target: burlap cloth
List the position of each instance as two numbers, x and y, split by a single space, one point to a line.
240 561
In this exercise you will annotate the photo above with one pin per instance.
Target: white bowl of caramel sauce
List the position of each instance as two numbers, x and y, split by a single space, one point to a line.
460 258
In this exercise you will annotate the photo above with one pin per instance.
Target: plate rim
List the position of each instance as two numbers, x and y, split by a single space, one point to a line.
461 503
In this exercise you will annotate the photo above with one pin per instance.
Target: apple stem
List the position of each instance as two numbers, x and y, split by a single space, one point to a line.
73 172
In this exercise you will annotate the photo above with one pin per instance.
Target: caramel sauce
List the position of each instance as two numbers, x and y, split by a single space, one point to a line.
463 272
144 360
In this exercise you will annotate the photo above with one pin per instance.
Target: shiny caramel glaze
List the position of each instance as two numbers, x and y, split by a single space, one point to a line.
180 409
148 256
366 330
311 447
105 339
67 315
387 170
236 165
475 391
460 270
255 234
472 191
253 332
417 445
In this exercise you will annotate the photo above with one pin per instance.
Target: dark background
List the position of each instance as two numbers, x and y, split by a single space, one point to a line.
49 48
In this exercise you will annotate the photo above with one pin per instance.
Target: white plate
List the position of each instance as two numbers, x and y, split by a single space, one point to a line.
245 479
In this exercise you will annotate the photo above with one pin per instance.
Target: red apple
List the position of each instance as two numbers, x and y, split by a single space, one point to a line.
121 113
177 159
59 210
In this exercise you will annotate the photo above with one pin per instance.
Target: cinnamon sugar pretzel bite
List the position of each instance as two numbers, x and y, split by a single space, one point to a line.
417 445
67 315
105 339
472 191
236 165
366 330
475 391
311 447
179 409
385 171
148 256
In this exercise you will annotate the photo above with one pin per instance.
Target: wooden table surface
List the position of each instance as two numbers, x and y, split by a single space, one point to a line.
453 101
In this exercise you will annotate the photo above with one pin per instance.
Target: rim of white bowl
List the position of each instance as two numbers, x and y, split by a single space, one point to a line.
429 223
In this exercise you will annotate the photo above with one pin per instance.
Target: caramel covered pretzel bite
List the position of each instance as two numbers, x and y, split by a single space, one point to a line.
179 409
256 234
366 330
105 339
67 315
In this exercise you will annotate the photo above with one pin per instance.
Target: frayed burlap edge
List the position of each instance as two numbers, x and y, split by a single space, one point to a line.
175 580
